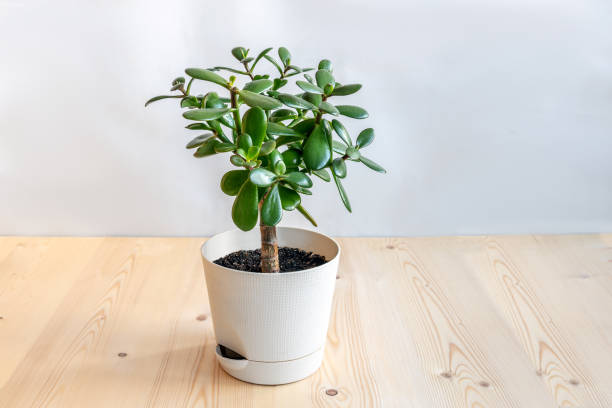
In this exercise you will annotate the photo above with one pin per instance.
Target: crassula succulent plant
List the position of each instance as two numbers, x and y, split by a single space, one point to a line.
281 140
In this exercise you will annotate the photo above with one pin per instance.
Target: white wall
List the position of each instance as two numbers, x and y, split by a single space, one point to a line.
491 116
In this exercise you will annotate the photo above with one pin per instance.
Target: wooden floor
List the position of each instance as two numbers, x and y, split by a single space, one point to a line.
513 321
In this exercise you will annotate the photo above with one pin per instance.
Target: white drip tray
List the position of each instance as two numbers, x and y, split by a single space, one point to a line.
270 373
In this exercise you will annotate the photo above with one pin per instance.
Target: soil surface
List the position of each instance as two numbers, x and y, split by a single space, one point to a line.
291 259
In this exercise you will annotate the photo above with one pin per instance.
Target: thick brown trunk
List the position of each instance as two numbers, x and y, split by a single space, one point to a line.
269 250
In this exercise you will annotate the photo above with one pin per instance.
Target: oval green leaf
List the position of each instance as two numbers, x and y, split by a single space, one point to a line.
261 101
295 102
299 179
244 210
206 75
258 86
262 177
352 111
205 114
373 165
271 209
346 89
284 55
322 174
289 198
328 108
342 132
199 140
233 180
339 167
323 78
308 87
254 122
316 151
207 149
365 137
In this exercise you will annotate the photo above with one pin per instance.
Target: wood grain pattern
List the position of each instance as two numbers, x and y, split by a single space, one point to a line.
504 321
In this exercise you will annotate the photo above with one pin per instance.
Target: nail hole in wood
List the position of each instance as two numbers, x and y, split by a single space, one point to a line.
337 276
446 374
538 373
331 392
573 381
122 355
1 317
390 247
201 317
484 384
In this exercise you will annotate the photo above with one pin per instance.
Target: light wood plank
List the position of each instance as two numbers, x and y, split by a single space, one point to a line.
509 321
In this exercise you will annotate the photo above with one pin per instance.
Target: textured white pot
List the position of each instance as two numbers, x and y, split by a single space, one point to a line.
277 321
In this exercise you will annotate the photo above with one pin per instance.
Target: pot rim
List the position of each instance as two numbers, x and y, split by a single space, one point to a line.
273 275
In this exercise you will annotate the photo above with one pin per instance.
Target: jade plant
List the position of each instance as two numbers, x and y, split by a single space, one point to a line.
280 141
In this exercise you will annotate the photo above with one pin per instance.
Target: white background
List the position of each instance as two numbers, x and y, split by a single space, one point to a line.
491 116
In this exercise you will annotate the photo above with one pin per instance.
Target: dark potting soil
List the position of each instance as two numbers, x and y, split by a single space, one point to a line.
291 259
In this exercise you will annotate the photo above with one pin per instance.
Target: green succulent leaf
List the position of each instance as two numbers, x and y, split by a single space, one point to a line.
298 179
324 78
254 122
233 180
239 53
258 86
198 126
313 98
292 158
205 114
316 151
373 165
245 142
260 56
351 111
178 80
267 147
283 140
244 210
261 101
284 55
305 127
365 137
308 87
306 215
309 78
280 168
157 98
289 198
207 149
199 140
328 108
325 64
342 132
344 90
322 174
262 177
342 193
278 129
271 209
225 147
282 114
339 167
237 160
339 147
295 102
206 75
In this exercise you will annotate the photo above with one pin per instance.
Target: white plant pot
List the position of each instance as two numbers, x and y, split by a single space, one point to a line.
277 321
